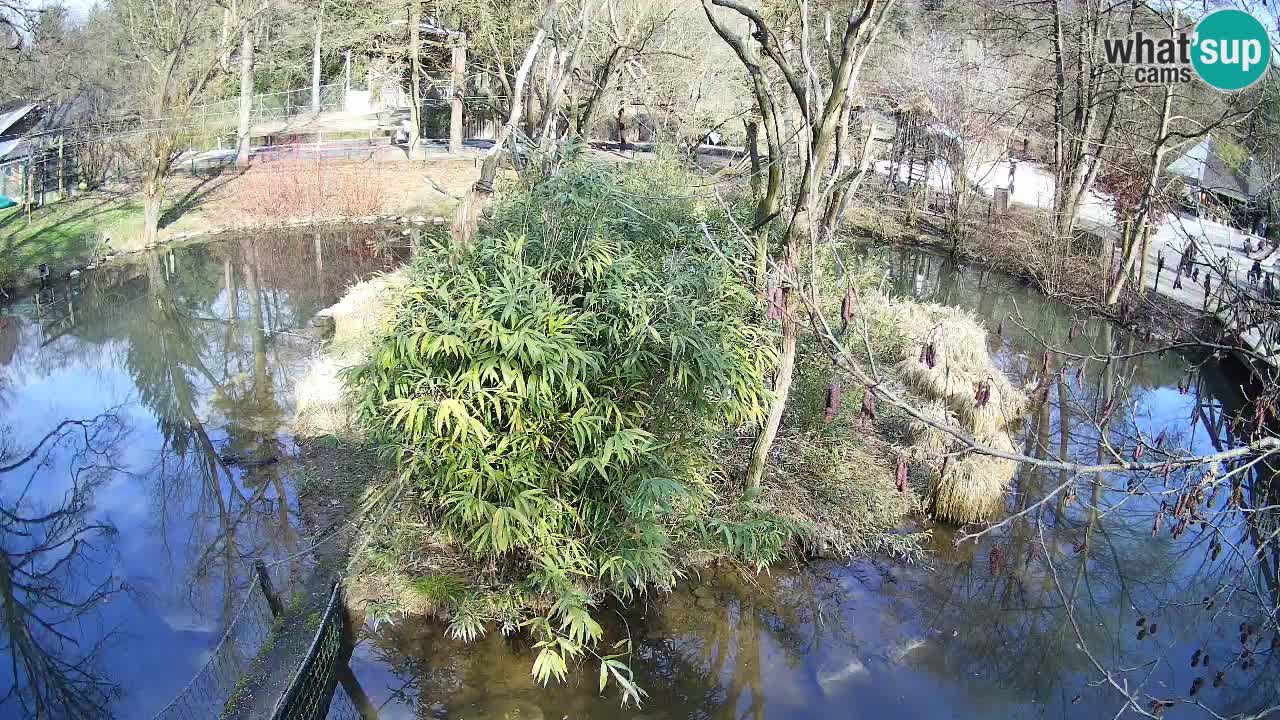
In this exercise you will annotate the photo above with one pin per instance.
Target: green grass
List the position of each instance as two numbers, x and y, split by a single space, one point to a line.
63 233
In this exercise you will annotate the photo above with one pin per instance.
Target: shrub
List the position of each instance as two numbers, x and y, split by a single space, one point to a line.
299 189
554 395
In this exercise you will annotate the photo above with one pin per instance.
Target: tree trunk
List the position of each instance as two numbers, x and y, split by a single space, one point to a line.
602 80
153 189
415 79
467 219
458 77
315 62
1144 205
246 95
782 385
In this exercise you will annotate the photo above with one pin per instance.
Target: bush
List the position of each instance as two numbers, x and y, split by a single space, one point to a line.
299 189
554 395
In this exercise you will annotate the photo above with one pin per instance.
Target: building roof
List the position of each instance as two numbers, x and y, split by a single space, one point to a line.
12 115
12 127
1204 166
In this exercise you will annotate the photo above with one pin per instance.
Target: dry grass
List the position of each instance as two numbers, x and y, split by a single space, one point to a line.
846 494
973 488
323 404
942 359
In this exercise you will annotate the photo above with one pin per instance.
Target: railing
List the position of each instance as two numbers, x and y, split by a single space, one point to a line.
310 692
241 671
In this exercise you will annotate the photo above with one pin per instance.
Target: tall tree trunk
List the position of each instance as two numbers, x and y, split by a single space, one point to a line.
457 80
246 95
153 191
467 219
1134 243
415 78
315 61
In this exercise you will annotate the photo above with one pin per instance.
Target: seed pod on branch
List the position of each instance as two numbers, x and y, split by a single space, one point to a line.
902 476
846 308
982 395
833 401
869 403
993 559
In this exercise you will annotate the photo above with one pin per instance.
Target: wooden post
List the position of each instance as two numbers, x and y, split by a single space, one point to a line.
62 171
457 81
260 569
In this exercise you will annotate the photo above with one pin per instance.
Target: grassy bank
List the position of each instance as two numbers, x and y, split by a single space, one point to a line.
65 233
71 233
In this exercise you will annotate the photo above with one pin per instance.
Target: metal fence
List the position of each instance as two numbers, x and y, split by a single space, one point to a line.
32 177
270 106
215 685
312 687
254 670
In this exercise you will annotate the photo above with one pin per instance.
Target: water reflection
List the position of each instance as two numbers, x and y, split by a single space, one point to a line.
1027 622
51 555
194 351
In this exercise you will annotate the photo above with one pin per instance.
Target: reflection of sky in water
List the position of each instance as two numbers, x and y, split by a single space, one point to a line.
138 345
873 640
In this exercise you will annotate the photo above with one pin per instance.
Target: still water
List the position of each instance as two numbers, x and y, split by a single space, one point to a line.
143 457
141 409
972 633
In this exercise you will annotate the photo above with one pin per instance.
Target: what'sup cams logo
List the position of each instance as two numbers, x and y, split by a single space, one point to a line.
1229 50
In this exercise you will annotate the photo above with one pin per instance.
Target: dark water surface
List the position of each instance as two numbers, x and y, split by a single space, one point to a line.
972 633
141 409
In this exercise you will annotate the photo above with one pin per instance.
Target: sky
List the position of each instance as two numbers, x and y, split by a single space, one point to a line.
79 7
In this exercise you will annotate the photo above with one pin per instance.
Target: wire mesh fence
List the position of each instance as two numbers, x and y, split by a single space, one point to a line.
214 686
312 687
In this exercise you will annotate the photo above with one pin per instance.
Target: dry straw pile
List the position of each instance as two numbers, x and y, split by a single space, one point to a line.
944 361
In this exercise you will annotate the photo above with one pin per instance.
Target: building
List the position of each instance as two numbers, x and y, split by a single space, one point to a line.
1220 186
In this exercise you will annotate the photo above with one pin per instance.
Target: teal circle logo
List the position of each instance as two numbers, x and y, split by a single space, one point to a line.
1231 49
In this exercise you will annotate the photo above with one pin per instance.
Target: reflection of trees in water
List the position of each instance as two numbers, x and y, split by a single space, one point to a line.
1114 562
51 579
709 653
212 344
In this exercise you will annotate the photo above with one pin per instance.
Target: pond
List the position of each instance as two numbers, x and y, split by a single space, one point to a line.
142 416
144 408
975 632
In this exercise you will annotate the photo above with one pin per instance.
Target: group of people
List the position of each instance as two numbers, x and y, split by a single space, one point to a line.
1188 265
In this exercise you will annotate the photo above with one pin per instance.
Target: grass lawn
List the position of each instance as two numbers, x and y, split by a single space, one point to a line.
63 233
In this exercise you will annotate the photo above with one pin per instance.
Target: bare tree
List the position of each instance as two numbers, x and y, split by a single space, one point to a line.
175 46
822 98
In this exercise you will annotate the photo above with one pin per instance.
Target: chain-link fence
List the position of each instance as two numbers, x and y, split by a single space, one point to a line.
277 660
215 685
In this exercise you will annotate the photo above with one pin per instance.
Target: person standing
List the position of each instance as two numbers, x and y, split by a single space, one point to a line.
1159 268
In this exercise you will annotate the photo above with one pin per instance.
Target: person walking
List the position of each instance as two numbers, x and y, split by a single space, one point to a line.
1159 268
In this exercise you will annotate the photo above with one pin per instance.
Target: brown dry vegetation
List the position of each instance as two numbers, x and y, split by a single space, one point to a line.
944 362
